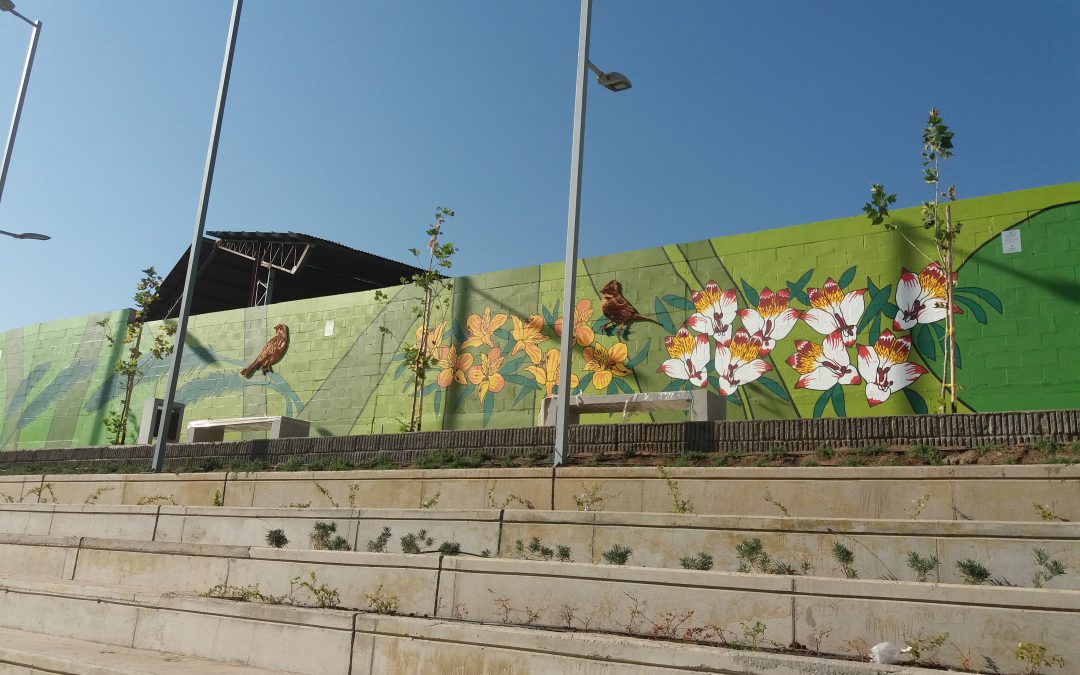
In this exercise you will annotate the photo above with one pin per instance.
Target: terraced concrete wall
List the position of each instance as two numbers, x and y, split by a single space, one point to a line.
830 319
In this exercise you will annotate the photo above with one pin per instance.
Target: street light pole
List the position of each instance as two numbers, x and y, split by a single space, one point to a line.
196 241
615 82
8 6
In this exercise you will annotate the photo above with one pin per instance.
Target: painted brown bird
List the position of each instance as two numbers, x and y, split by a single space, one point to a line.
618 309
273 351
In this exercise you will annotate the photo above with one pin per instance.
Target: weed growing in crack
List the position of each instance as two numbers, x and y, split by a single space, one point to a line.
324 539
592 498
95 495
753 557
921 649
699 561
242 594
156 499
276 538
917 506
617 555
922 566
845 557
450 548
412 541
535 550
1047 513
1045 568
678 504
378 544
974 573
382 602
324 596
769 498
1034 656
431 502
326 493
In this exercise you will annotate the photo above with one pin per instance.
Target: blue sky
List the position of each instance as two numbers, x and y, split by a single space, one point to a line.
353 120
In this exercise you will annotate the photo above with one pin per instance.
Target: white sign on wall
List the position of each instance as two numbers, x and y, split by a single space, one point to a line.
328 330
1010 241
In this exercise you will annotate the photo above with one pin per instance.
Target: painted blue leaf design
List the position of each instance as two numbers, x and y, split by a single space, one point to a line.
679 302
987 296
823 400
642 354
846 278
663 317
918 403
976 310
750 292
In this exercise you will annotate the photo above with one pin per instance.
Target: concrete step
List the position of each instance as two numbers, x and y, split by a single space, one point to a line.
941 492
275 638
23 651
828 614
880 547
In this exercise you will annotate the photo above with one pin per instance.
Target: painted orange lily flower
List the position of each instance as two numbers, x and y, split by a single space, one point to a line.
606 363
528 335
548 376
486 376
583 332
452 366
434 338
481 329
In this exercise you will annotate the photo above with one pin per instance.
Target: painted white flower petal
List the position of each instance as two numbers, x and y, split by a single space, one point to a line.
819 380
903 374
820 320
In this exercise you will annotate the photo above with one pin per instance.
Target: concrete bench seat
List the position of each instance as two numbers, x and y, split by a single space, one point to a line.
204 431
703 405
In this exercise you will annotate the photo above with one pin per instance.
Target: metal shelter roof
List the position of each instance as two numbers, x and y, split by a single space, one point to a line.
234 272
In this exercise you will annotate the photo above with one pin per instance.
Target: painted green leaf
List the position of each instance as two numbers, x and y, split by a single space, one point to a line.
663 317
583 383
679 302
918 403
511 366
976 310
521 381
924 341
503 333
598 325
431 386
642 354
803 280
611 388
622 385
798 293
465 392
459 334
875 330
438 402
987 296
674 385
823 400
890 311
878 299
522 393
750 292
837 395
845 279
774 386
871 287
734 398
489 407
549 320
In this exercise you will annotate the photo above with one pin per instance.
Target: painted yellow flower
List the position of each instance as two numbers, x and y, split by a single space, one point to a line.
528 335
486 376
606 363
452 366
583 332
481 329
548 376
434 338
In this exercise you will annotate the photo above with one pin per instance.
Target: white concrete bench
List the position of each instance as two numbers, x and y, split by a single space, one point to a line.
703 406
204 431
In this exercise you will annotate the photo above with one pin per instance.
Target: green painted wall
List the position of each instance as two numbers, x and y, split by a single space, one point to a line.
1019 335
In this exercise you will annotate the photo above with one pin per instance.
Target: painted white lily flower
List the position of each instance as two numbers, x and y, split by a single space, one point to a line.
689 357
772 318
737 361
833 310
920 299
716 311
823 366
885 367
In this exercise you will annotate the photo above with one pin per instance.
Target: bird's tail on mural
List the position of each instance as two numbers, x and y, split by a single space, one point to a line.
272 353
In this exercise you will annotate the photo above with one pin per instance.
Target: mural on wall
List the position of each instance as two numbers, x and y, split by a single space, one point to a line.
786 323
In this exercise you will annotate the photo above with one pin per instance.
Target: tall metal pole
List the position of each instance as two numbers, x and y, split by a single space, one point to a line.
196 241
573 216
14 129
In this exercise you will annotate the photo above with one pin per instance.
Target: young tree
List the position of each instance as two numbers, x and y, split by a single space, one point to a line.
129 366
436 296
936 216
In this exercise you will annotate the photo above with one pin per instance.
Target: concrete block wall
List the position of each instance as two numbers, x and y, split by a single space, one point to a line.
1019 335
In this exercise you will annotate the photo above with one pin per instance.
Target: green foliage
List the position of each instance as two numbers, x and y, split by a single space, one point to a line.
921 566
535 550
920 649
382 602
753 557
845 557
323 538
450 548
420 357
973 572
678 504
242 594
131 366
324 596
276 538
378 545
928 453
699 561
1045 568
412 541
1034 655
592 498
616 555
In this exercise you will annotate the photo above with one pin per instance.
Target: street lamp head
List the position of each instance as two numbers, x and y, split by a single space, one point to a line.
6 5
613 81
26 235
